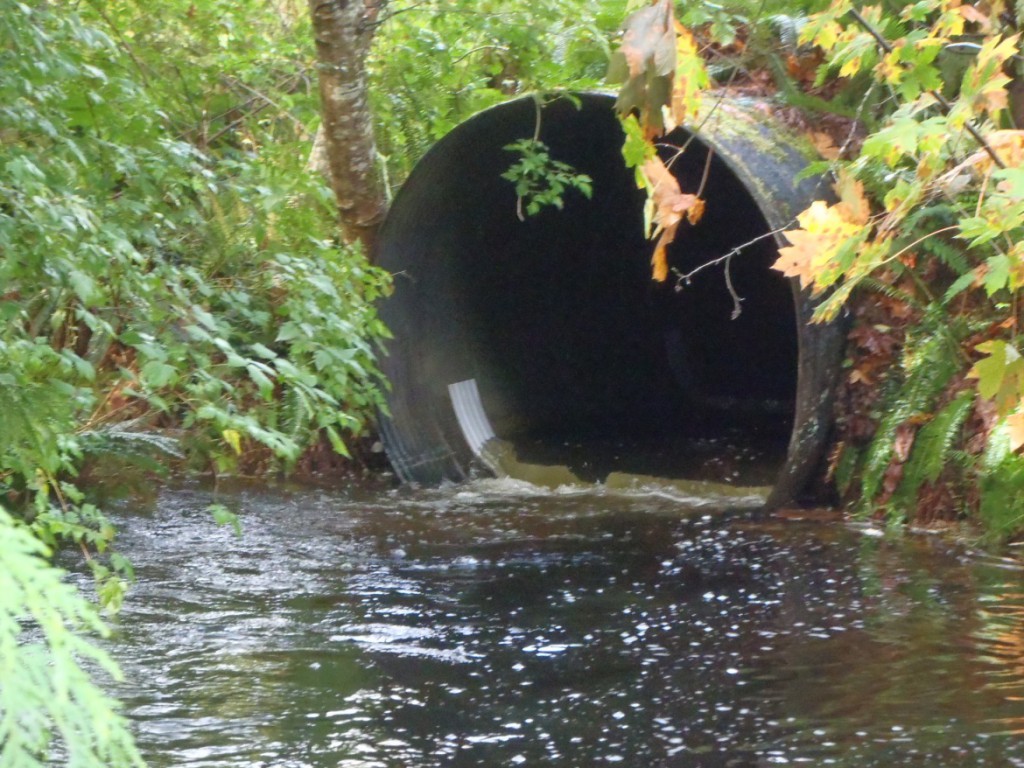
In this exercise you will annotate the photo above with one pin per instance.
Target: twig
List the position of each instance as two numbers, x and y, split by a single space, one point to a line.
536 138
920 240
479 48
737 309
707 172
685 278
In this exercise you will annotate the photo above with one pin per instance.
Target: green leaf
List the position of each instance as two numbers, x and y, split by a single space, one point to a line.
636 150
1000 374
157 374
997 273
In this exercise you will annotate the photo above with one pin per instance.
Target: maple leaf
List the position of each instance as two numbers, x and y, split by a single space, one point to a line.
1000 374
984 83
1008 144
822 230
645 64
795 259
671 205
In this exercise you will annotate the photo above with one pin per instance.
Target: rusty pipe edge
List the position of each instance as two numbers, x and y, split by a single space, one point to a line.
437 215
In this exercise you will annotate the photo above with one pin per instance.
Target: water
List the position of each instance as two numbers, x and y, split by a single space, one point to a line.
500 625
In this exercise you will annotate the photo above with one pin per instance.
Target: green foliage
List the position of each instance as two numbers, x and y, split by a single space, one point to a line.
437 62
224 516
933 203
541 181
924 373
181 258
1002 497
50 706
170 286
934 446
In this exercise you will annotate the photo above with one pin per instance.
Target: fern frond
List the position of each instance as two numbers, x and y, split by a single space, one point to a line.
950 254
846 469
888 290
927 372
931 453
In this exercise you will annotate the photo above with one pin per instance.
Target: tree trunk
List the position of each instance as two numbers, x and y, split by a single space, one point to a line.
343 30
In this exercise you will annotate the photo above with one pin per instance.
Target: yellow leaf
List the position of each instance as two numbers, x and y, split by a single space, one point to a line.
851 67
233 438
822 230
823 31
691 77
993 96
1008 145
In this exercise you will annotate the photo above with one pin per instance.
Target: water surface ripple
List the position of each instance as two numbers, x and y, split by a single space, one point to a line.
499 625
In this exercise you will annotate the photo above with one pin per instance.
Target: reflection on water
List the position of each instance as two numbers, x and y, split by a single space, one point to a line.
497 624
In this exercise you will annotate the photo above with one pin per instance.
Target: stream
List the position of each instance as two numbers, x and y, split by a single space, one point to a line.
500 624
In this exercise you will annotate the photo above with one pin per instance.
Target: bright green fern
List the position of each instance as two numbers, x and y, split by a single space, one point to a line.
50 704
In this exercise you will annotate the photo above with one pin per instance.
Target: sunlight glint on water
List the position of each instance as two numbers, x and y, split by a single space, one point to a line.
499 624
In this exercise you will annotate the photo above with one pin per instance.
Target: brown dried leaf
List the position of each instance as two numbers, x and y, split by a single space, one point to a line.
858 376
671 204
972 14
645 64
824 144
649 40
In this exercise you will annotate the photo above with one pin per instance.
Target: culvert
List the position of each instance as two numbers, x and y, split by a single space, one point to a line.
536 337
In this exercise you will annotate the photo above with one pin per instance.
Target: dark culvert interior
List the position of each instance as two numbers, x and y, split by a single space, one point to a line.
578 356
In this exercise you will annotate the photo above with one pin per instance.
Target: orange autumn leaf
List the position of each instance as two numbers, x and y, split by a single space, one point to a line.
671 205
795 259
